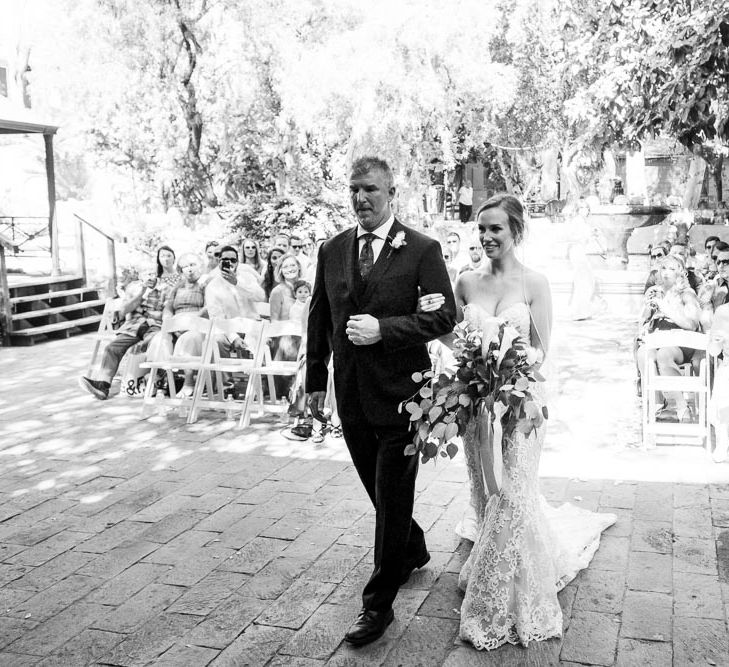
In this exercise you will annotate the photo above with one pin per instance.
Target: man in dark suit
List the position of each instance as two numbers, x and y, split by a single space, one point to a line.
363 310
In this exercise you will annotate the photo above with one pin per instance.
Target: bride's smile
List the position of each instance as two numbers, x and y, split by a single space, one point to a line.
495 233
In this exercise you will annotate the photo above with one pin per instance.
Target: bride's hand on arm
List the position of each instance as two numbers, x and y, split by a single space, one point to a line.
430 302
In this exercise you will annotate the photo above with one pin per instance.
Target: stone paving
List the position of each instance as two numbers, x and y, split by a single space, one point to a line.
130 542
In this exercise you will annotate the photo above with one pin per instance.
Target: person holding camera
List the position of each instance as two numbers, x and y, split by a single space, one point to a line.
230 294
142 310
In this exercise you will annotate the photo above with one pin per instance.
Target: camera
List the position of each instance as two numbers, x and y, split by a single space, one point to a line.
225 264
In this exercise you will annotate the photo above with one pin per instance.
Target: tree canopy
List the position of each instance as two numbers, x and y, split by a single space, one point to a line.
217 105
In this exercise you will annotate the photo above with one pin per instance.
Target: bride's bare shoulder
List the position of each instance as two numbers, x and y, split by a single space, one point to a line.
535 279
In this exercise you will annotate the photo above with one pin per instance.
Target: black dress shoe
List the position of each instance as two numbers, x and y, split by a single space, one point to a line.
412 566
370 625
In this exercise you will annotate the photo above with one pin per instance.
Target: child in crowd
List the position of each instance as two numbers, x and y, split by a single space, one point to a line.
300 307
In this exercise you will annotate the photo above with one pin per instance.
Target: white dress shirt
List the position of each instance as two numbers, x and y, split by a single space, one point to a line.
378 243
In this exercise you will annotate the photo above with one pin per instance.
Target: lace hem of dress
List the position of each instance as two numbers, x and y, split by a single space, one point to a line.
506 634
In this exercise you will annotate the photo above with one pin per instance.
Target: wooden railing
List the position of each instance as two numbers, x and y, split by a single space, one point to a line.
5 308
82 224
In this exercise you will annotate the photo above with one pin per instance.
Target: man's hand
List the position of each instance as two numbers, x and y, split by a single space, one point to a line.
316 405
363 330
238 344
229 275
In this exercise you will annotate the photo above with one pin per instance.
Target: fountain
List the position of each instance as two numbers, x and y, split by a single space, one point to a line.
616 223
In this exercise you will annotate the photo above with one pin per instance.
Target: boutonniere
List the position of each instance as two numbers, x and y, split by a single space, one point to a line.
397 242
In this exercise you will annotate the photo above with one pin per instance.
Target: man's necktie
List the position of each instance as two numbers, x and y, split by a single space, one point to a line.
366 256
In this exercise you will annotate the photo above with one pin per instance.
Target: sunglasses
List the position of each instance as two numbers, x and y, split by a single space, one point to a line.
216 254
297 247
722 262
657 255
231 259
249 247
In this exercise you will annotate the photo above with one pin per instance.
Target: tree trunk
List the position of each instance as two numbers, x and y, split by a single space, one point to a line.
692 194
199 176
717 170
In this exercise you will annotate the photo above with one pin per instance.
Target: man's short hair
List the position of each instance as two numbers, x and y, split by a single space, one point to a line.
722 246
369 163
453 234
709 239
229 248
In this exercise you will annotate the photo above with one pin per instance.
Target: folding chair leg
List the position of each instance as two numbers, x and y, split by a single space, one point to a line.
202 380
147 398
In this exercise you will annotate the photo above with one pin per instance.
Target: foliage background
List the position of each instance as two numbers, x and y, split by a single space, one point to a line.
247 115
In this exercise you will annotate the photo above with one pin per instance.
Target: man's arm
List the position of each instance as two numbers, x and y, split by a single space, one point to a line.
407 330
249 285
319 333
133 298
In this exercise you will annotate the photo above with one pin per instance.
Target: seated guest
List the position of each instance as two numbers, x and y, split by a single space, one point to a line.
268 282
309 247
670 305
714 292
453 244
187 296
452 271
212 254
310 274
251 255
657 253
719 402
142 310
167 273
286 348
300 307
232 294
476 259
681 250
288 273
282 240
709 244
297 250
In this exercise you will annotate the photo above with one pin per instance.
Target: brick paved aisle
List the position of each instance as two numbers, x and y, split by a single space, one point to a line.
128 542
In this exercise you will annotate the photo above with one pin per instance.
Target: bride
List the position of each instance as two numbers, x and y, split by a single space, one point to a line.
524 551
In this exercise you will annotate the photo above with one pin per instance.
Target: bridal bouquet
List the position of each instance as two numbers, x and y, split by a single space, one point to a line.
495 374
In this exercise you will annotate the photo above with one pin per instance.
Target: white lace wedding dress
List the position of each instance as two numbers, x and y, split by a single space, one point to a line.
524 550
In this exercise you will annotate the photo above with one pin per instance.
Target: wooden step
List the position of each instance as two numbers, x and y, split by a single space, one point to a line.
58 326
52 295
81 305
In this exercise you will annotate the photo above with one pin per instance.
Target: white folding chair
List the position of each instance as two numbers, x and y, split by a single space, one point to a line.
210 375
270 367
106 331
655 432
171 363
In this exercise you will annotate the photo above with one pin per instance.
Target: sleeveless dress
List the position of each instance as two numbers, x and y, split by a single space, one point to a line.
524 550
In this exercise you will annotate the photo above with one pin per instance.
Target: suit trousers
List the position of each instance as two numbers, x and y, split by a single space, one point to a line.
389 478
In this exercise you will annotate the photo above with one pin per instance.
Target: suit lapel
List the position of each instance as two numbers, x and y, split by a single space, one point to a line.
348 254
387 255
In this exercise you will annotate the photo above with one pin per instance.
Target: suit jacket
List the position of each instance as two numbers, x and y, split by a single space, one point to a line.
371 380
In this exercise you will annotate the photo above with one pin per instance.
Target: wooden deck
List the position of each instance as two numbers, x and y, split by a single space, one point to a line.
25 280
